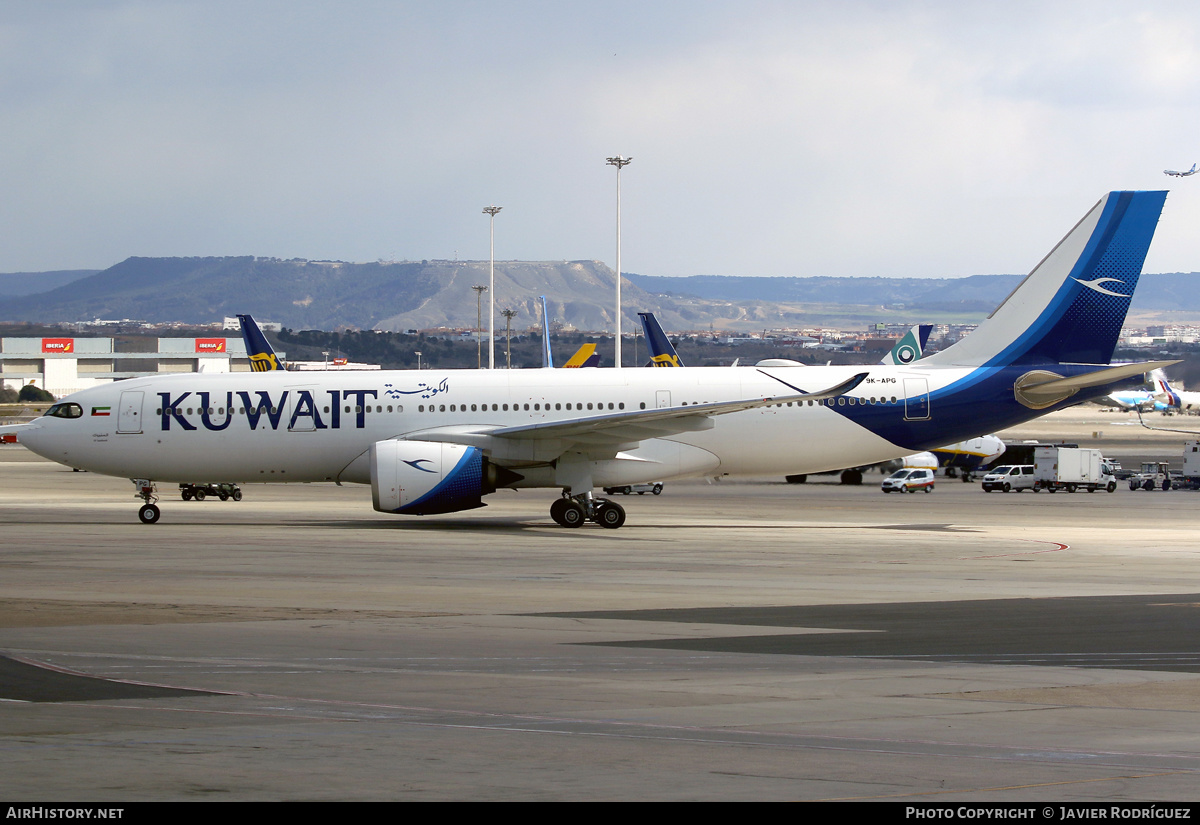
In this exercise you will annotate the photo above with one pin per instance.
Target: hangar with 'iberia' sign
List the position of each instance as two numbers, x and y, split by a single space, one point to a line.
65 365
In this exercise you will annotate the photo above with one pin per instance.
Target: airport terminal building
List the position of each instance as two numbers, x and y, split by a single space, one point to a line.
65 365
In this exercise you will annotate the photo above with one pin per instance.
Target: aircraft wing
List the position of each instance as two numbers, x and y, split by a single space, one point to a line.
621 428
634 425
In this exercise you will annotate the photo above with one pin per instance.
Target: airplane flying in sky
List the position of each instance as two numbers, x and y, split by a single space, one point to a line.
437 441
1175 174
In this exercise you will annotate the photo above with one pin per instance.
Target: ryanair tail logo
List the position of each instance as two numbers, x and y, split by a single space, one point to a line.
264 362
665 359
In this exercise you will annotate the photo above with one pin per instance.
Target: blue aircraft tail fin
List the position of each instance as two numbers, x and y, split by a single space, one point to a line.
1070 308
662 353
262 355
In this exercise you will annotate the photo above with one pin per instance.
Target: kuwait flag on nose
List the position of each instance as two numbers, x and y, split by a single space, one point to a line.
101 410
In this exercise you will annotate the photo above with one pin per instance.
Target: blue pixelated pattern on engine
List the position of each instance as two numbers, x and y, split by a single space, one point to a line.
459 489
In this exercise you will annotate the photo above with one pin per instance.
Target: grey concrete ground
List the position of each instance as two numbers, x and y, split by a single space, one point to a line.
740 640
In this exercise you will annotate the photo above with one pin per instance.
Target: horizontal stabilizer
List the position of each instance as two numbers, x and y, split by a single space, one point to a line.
1041 388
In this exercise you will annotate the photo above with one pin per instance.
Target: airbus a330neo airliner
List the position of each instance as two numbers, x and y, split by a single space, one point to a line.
438 441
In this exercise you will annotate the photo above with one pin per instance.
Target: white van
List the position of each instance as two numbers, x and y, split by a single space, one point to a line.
1010 477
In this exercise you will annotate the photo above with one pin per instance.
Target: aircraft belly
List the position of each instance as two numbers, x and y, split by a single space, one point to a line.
784 442
213 457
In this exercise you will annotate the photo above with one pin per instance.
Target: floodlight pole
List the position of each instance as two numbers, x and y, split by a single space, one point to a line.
491 212
618 162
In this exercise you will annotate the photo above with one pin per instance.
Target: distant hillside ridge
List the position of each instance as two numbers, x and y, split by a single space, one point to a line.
1174 290
14 284
328 295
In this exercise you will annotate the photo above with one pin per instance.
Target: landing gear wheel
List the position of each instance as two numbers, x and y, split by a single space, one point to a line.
556 511
567 513
611 515
573 515
149 513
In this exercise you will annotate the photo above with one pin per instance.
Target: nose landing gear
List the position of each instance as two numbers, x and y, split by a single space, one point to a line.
573 511
147 492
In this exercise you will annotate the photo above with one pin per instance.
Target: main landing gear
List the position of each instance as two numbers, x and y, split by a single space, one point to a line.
148 493
573 511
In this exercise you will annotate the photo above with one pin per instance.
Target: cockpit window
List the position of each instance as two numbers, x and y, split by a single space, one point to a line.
65 411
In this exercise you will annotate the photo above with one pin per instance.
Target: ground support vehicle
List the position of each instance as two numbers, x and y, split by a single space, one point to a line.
202 491
1071 469
908 481
1010 477
1189 479
1155 475
655 487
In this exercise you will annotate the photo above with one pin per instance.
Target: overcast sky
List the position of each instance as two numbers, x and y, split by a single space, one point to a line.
931 139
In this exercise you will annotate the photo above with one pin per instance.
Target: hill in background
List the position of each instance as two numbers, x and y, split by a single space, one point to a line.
304 294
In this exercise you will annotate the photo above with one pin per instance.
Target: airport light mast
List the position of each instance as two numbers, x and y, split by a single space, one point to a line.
619 162
491 212
479 290
508 316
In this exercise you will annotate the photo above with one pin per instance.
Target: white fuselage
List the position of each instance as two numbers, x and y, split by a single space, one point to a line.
281 426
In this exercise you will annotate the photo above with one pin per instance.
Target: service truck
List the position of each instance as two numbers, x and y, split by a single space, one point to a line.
1071 469
1191 466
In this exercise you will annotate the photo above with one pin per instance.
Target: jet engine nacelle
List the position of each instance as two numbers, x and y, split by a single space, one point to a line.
424 478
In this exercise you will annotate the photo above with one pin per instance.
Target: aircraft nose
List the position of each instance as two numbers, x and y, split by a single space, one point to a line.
32 437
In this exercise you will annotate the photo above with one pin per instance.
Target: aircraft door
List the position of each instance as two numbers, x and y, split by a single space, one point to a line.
129 415
916 399
302 413
663 399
